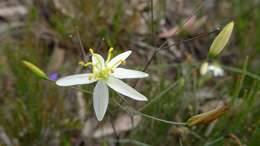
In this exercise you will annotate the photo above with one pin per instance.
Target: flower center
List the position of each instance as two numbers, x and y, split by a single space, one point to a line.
100 69
103 74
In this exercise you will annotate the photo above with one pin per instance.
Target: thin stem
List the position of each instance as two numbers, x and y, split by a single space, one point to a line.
161 47
101 43
201 35
238 70
81 44
156 50
130 141
180 141
196 135
158 96
241 81
214 141
152 26
133 111
226 67
161 120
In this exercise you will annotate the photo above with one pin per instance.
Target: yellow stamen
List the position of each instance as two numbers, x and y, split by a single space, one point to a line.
117 63
88 64
85 64
111 49
81 63
122 62
91 51
109 54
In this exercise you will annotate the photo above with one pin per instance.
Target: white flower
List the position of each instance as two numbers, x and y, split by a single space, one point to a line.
106 73
215 69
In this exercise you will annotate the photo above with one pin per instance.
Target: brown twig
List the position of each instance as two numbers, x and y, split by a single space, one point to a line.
201 35
152 26
234 138
156 50
81 44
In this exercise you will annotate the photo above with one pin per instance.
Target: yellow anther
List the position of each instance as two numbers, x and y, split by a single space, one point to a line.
118 63
111 49
87 64
91 51
81 63
122 61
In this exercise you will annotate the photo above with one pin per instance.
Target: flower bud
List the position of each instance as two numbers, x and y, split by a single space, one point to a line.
221 40
204 68
37 71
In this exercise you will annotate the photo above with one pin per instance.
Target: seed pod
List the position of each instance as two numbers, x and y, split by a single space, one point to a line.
207 117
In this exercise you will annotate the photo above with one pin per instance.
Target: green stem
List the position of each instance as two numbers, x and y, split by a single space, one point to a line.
159 96
133 111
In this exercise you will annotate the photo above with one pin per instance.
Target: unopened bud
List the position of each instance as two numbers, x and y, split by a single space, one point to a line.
36 70
204 68
221 40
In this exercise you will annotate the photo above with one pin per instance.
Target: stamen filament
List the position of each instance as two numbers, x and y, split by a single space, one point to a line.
88 64
81 63
85 64
110 54
118 62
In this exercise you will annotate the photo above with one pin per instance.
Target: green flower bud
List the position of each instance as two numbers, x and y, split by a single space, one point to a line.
37 71
221 40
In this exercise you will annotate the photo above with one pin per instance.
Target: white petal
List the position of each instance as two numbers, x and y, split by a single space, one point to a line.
204 68
98 62
116 61
122 73
216 70
124 89
219 72
77 79
100 99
